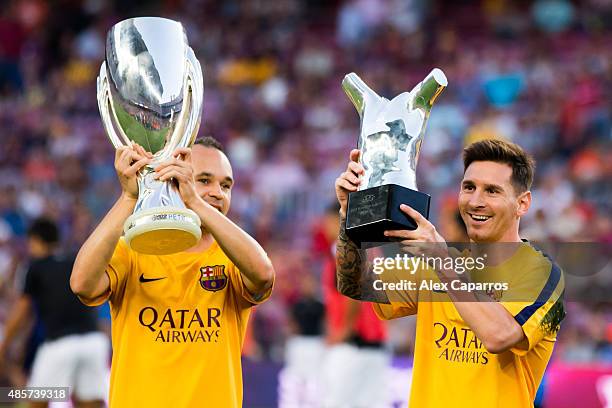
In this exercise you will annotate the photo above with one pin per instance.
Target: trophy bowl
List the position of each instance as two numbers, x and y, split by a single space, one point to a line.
150 91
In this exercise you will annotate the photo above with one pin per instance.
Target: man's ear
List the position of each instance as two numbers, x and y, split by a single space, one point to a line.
524 202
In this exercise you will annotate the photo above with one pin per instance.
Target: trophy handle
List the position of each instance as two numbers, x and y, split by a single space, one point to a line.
187 127
428 90
358 92
104 105
195 85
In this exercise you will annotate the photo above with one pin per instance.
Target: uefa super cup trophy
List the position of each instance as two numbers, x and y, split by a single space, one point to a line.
390 141
150 91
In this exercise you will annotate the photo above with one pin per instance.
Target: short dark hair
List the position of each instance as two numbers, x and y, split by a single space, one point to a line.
500 151
209 141
45 229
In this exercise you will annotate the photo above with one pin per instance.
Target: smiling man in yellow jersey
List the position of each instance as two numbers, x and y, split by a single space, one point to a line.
178 321
472 349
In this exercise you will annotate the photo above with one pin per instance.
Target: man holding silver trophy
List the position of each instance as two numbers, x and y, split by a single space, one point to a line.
182 279
500 339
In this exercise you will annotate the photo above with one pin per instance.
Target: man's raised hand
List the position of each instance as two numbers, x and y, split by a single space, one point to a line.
128 160
349 180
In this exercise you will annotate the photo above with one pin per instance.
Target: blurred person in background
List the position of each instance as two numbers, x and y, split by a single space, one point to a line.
300 379
356 363
74 354
12 372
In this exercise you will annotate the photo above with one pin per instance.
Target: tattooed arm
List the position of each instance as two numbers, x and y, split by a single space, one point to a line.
352 275
351 262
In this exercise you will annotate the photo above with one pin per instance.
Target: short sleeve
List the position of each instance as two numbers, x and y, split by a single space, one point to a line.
393 310
29 284
238 285
541 314
401 288
116 270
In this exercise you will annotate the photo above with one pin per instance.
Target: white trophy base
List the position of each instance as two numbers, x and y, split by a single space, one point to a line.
162 230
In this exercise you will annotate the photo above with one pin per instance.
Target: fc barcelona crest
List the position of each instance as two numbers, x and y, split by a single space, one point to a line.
213 278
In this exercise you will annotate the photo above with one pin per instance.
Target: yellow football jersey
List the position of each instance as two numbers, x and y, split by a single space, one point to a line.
452 368
178 324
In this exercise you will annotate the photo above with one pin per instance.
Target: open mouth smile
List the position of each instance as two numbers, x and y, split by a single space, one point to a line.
480 218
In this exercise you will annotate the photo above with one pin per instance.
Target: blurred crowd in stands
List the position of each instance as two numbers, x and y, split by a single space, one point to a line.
537 73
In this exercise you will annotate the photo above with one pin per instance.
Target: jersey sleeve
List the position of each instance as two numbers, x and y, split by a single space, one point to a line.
237 282
537 305
393 310
401 288
116 270
30 283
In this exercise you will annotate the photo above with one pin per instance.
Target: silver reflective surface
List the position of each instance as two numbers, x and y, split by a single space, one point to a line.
392 130
150 87
150 91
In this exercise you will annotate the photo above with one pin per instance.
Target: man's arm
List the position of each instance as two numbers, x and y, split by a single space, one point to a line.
489 320
491 323
89 280
17 318
351 262
351 265
242 249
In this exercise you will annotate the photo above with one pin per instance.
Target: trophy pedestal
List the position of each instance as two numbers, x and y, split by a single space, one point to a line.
162 230
372 211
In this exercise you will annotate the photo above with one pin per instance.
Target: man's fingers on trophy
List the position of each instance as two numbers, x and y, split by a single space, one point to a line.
126 159
166 164
354 155
351 178
182 153
164 174
414 214
170 164
120 150
135 157
141 150
137 165
146 153
161 171
171 172
356 168
176 176
122 153
401 235
345 184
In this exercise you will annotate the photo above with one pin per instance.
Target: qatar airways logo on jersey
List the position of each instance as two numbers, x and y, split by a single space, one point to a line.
182 325
459 344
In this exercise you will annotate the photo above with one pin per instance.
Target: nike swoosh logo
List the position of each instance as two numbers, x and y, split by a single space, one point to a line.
143 279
